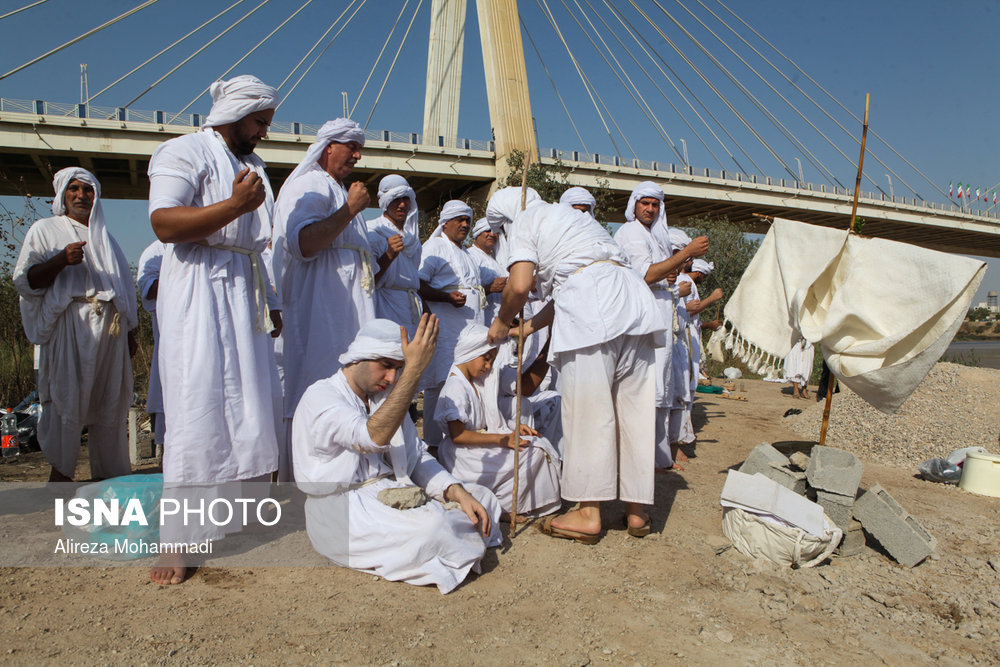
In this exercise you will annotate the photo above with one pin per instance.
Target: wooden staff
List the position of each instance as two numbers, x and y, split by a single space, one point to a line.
850 230
517 382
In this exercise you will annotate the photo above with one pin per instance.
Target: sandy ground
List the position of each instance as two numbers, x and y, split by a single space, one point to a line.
668 598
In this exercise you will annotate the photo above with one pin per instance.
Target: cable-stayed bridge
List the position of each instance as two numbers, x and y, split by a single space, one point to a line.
754 150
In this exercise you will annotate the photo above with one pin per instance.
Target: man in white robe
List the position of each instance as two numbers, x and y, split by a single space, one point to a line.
580 199
604 321
451 287
491 274
396 234
78 307
322 264
644 211
354 443
211 202
148 281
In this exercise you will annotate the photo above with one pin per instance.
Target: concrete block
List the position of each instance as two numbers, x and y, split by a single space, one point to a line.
853 543
760 458
839 508
788 478
898 532
834 470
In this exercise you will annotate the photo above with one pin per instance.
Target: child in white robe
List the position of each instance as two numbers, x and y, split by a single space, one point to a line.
478 443
799 367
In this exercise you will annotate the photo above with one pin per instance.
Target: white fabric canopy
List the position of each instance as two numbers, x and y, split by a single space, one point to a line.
817 283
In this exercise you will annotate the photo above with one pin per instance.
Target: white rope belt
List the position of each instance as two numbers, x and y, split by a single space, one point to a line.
599 261
367 276
98 307
264 323
415 309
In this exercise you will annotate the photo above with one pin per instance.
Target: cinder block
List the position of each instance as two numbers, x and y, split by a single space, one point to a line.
760 458
901 534
788 478
853 543
834 470
839 508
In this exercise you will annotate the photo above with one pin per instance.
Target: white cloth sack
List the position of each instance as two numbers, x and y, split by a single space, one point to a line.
760 537
816 283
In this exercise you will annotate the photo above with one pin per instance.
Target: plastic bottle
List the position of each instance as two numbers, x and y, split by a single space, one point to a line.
8 435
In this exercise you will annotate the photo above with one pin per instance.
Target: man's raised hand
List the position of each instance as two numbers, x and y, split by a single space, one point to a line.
697 247
417 353
395 246
248 191
357 197
73 253
456 298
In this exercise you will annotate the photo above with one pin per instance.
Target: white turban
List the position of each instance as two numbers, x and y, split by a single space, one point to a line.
471 343
678 239
377 339
391 188
455 208
505 204
239 97
482 225
702 267
111 283
578 195
341 130
641 191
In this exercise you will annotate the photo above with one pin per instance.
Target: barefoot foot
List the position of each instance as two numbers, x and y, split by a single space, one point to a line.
169 569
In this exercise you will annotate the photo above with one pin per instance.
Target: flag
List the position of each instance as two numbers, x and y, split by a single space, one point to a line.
959 189
951 190
994 197
977 192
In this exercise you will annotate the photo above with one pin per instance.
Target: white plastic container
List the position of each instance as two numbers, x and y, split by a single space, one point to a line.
981 474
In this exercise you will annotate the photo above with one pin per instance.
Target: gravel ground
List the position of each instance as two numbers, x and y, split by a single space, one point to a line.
955 406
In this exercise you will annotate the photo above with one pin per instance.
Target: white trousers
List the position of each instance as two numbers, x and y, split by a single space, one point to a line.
608 416
664 457
681 430
107 444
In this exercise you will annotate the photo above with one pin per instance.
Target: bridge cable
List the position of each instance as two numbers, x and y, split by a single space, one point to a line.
631 88
735 82
152 58
657 86
591 91
85 35
191 57
648 49
245 56
393 63
812 158
18 11
315 44
791 82
841 105
378 59
321 53
527 34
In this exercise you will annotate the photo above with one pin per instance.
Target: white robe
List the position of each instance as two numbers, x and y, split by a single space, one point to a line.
799 363
84 373
396 290
343 470
217 371
606 322
148 272
326 297
493 466
489 270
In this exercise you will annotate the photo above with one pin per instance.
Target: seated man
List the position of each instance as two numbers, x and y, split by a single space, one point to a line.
353 440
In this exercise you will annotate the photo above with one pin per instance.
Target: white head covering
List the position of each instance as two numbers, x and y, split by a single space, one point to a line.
678 239
455 208
238 98
505 204
102 259
578 195
341 130
482 225
472 343
391 188
377 339
645 189
702 267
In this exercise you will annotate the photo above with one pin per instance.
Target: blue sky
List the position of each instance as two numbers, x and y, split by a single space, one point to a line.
928 66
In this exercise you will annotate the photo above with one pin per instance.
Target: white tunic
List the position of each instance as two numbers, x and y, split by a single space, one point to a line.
493 466
693 323
643 251
396 296
799 363
326 297
84 373
148 273
218 369
447 267
343 470
489 270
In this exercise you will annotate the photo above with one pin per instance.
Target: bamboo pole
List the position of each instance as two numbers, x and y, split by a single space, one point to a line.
850 230
517 384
